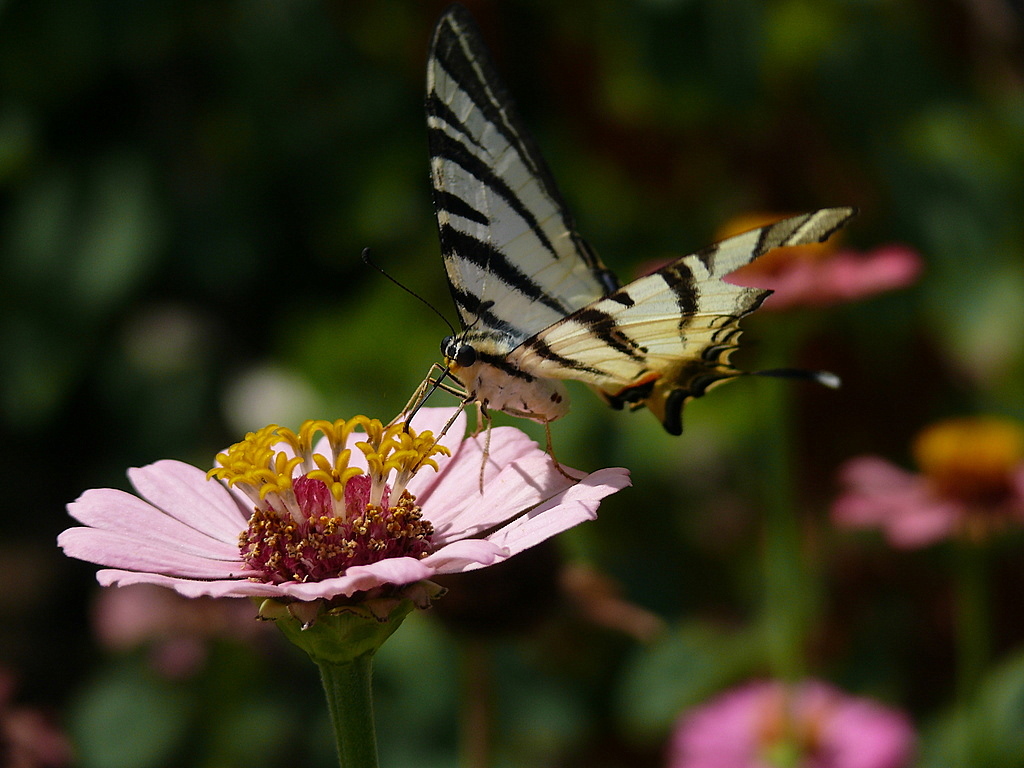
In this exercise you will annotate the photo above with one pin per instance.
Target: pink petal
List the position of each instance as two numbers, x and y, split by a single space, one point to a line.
189 587
464 555
733 729
457 485
119 512
912 528
874 491
434 419
516 487
561 511
874 474
122 550
722 733
840 277
185 494
358 578
880 494
884 269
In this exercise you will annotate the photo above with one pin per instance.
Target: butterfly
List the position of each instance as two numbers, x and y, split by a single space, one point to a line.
536 303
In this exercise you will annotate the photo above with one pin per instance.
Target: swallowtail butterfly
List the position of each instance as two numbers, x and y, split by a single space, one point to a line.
535 302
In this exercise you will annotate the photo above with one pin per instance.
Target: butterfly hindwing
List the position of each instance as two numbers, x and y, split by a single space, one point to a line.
667 337
513 257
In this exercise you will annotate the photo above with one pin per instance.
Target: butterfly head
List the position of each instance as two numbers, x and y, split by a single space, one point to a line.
457 351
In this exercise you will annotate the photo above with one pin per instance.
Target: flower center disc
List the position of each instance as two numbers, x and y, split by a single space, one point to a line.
314 513
323 544
971 459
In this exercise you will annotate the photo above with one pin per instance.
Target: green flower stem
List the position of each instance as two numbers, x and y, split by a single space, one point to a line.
973 616
350 702
341 641
789 589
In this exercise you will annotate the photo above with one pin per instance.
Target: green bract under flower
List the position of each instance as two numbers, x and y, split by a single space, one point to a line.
314 514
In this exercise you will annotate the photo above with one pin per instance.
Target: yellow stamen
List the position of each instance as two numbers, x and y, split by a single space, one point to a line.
396 448
260 470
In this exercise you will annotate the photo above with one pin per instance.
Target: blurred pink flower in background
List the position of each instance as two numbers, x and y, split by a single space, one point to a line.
176 630
971 484
27 738
820 274
838 278
810 724
304 521
816 274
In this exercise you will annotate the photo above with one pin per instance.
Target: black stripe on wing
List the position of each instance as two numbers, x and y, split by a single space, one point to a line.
545 352
456 206
472 306
604 327
447 148
679 279
460 245
502 364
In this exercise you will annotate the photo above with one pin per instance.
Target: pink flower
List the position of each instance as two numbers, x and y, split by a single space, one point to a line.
808 724
971 485
832 279
176 631
818 274
300 519
27 738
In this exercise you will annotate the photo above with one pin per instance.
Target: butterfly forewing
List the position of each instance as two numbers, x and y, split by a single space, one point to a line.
507 240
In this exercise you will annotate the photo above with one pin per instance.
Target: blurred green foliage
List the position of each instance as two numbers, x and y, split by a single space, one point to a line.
185 189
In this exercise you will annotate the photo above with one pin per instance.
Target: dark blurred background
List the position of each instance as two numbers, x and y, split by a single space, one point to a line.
185 189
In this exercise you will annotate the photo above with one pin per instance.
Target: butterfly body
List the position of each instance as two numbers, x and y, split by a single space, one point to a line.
479 361
536 304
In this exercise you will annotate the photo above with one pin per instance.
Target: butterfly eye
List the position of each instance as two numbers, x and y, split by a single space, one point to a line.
465 356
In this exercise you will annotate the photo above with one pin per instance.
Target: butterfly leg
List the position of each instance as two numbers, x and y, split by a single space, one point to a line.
447 426
484 417
435 379
419 396
551 453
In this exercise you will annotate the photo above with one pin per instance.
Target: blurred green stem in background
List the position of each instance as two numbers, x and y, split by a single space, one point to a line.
973 616
789 589
477 707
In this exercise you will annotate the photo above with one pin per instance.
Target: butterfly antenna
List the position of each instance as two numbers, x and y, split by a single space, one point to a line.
434 386
367 260
444 429
825 378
